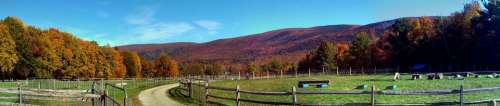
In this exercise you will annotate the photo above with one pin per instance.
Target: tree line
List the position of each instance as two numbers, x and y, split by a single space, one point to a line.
469 37
30 52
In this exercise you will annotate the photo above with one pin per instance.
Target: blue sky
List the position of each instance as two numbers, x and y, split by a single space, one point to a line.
120 22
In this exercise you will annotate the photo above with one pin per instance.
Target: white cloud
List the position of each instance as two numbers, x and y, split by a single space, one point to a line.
74 30
209 24
146 29
143 15
161 30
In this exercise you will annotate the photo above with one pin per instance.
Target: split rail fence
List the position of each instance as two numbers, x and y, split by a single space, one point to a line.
188 86
100 92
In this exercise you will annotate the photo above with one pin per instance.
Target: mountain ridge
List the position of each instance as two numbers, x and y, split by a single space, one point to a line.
288 44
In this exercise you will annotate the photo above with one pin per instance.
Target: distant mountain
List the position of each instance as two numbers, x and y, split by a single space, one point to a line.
285 44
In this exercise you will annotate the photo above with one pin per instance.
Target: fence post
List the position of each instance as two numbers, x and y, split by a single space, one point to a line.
190 88
294 96
126 95
461 95
253 75
373 95
281 73
362 70
78 83
54 83
309 72
39 85
493 102
295 73
323 69
102 83
267 74
237 95
206 93
350 70
20 93
105 94
93 91
337 70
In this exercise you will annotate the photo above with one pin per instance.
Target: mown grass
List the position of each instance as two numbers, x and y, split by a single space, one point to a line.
381 82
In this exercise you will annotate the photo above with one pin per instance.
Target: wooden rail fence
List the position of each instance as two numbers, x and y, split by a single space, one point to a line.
187 85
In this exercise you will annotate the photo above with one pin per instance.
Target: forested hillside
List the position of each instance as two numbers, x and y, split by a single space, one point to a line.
30 52
464 41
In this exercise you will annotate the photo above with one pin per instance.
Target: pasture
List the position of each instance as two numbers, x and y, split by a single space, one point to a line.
352 83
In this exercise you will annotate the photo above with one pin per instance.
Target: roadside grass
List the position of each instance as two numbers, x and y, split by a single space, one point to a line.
177 94
350 83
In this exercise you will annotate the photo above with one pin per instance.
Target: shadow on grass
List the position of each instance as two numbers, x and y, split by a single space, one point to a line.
176 94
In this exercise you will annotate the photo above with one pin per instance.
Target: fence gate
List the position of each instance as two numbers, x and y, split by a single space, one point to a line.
110 94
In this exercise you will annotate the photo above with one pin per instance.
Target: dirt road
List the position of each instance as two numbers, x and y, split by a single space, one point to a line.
158 96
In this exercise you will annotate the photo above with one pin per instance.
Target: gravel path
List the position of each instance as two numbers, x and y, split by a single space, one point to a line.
158 96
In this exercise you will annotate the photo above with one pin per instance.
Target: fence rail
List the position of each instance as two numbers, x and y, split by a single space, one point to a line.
97 90
186 85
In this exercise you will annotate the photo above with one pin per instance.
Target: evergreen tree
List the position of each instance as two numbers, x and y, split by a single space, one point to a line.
324 56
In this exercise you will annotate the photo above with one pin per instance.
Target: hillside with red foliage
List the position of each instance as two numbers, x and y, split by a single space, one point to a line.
285 44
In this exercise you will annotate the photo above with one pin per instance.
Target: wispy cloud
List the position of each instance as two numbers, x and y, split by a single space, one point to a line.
142 15
74 30
147 29
208 24
162 30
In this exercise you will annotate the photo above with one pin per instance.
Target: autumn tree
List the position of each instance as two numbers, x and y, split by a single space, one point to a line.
148 68
252 68
173 69
8 53
163 65
118 65
192 69
213 69
132 63
342 56
306 63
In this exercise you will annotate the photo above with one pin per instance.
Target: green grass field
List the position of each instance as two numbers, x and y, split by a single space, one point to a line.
350 83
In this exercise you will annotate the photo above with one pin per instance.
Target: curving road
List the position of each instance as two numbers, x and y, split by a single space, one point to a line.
158 96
